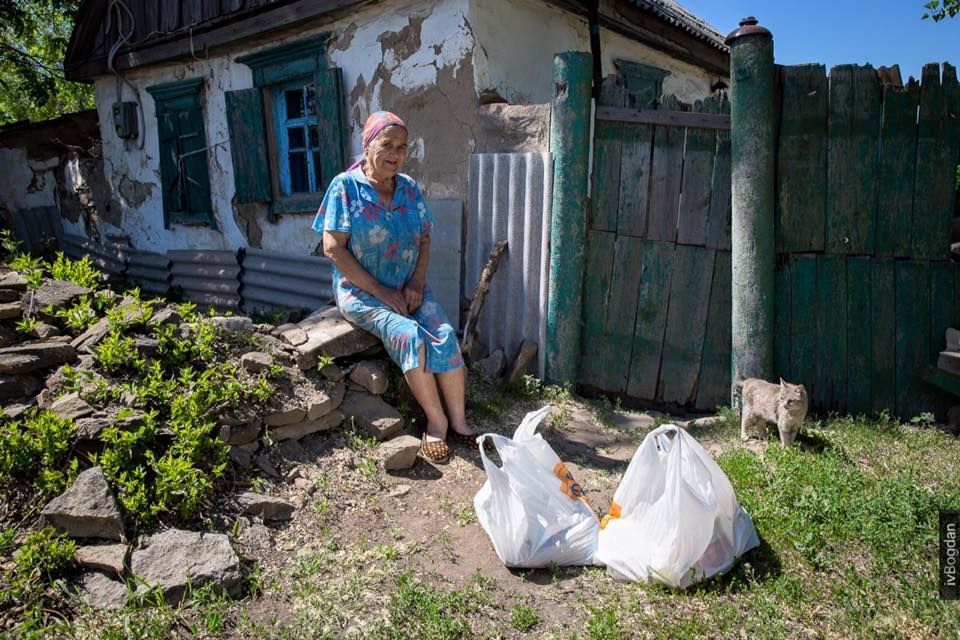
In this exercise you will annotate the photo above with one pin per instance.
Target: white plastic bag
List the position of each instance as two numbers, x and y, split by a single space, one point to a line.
675 518
531 507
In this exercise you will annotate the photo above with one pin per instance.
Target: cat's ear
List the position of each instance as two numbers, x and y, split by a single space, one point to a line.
782 383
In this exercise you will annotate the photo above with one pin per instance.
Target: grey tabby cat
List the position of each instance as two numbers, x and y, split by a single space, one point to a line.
784 404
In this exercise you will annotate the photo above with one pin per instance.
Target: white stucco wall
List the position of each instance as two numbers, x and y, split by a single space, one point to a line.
445 41
26 183
519 38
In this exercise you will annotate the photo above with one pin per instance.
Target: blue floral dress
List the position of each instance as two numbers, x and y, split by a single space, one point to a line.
385 240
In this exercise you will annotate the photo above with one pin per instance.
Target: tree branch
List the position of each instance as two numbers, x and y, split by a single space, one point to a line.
56 72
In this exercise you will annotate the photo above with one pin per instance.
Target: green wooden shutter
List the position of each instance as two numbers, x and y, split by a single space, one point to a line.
170 185
195 177
329 106
248 145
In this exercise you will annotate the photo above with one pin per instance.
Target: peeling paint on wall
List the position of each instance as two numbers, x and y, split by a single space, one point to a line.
134 192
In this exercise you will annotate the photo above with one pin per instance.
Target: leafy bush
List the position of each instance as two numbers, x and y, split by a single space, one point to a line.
80 317
41 559
80 272
36 448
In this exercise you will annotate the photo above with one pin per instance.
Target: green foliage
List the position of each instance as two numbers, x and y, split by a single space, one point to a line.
117 352
33 40
26 326
418 611
80 317
941 9
603 625
523 618
80 272
36 448
9 245
30 268
41 558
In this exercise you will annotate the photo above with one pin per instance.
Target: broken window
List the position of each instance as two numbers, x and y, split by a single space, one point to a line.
184 172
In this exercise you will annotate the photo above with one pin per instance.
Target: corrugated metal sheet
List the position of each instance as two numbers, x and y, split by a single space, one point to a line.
206 276
151 271
681 17
110 259
271 279
33 227
446 255
510 199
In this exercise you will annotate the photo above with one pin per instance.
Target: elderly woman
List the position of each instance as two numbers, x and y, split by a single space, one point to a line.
376 231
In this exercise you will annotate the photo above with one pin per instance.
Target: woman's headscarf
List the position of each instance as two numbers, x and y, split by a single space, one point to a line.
377 122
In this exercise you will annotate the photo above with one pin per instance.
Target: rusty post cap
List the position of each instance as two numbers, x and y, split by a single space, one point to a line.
748 27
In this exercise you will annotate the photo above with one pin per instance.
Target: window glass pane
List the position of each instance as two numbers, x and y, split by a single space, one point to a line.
295 137
294 100
314 136
317 175
298 173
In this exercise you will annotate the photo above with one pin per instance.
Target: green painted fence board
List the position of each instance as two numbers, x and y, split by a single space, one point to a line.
853 125
621 314
606 176
898 157
598 275
935 187
830 385
913 336
803 327
718 223
701 146
713 385
941 318
802 159
781 319
883 335
859 342
651 320
686 323
665 180
634 180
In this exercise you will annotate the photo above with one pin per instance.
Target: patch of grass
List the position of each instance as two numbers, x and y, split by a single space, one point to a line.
523 618
604 625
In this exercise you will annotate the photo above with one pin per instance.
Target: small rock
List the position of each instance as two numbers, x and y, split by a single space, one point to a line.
705 422
290 450
493 365
255 361
325 401
45 331
399 453
295 474
241 456
91 428
371 375
147 347
45 399
14 411
267 507
71 407
102 592
295 336
19 386
297 431
235 416
13 281
255 538
34 357
235 324
9 295
87 509
242 433
165 316
109 558
288 416
250 447
8 337
333 373
372 414
172 559
264 464
279 329
305 485
58 294
10 310
399 491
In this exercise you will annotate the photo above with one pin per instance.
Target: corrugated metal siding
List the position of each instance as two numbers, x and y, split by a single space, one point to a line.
110 259
271 279
446 255
207 277
151 271
34 226
510 199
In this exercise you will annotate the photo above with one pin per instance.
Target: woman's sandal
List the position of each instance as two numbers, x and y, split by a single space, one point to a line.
469 441
436 451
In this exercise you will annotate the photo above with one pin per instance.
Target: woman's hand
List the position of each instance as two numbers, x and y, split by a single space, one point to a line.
393 299
413 294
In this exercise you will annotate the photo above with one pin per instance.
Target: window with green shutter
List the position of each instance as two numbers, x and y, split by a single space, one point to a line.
184 171
287 132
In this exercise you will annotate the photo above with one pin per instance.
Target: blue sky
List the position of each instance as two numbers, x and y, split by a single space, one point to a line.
881 32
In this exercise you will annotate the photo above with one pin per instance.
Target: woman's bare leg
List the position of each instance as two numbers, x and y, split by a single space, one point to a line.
453 386
424 389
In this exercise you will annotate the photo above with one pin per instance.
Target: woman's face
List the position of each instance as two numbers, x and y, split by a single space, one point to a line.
388 152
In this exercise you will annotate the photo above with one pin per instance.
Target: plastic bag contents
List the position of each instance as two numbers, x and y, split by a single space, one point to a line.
531 507
674 518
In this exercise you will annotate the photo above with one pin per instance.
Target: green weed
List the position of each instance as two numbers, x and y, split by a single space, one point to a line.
80 272
523 618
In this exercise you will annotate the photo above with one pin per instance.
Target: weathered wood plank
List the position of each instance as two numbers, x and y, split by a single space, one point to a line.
913 335
635 172
935 186
854 123
695 191
651 316
781 320
606 176
802 159
713 384
898 156
597 277
666 174
621 314
667 118
830 388
803 324
859 342
941 319
718 223
248 145
883 335
686 323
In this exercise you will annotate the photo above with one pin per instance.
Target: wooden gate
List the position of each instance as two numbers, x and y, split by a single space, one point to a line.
656 305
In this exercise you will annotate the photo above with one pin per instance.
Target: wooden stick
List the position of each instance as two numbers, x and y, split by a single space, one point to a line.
470 335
